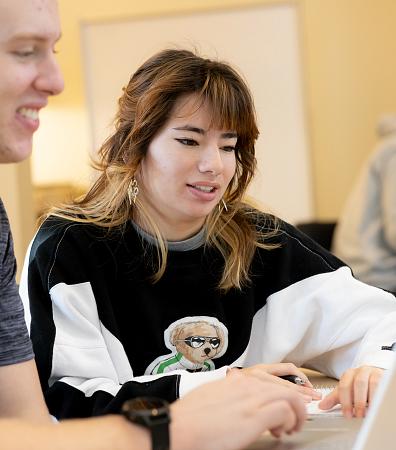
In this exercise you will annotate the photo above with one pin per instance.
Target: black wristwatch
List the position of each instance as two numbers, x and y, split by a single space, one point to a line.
152 413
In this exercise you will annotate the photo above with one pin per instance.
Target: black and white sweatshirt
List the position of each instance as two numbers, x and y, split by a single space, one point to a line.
103 332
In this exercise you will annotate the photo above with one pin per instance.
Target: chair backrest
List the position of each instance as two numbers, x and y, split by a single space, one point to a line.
320 232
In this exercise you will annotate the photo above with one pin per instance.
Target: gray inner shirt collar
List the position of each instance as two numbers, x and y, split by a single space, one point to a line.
180 246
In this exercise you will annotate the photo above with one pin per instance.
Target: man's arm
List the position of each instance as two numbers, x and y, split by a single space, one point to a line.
102 433
20 393
241 409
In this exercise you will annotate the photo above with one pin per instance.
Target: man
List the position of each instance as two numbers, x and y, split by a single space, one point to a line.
225 414
29 75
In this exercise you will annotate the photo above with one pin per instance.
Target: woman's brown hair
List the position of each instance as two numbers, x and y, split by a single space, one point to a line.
146 104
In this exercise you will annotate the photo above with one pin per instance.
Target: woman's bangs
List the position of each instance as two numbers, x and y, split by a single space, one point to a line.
229 111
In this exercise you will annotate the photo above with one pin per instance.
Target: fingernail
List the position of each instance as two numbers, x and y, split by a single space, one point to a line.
359 414
307 398
348 414
316 394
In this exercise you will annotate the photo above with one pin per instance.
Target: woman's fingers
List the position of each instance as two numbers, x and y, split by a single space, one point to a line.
330 400
271 373
375 378
281 369
345 393
316 395
360 391
356 387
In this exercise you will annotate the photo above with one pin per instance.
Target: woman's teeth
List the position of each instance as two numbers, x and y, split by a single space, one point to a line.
29 113
204 188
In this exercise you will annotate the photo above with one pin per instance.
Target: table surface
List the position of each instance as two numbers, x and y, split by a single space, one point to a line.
319 380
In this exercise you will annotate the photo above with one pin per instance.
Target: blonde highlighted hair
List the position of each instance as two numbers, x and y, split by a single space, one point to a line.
145 106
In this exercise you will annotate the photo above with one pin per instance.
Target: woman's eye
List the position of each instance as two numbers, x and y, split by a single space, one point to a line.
189 142
228 148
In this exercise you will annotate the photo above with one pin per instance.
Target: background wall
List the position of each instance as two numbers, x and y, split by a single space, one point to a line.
268 55
16 194
350 79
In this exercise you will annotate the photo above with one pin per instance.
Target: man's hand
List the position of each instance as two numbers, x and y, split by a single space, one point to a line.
231 413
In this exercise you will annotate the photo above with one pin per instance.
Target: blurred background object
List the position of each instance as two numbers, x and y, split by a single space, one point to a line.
365 236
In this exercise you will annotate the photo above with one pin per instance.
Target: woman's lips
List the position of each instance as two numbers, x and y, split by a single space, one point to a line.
202 192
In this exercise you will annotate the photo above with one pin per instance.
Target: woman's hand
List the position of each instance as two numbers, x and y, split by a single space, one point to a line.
355 389
271 373
232 413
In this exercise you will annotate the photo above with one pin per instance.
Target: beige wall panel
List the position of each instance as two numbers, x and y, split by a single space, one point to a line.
351 67
16 193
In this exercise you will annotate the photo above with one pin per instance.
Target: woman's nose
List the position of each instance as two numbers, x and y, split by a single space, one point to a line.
211 161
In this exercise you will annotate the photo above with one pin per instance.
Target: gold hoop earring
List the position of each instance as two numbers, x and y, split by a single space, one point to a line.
133 191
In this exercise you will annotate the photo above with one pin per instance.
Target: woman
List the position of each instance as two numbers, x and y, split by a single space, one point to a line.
162 278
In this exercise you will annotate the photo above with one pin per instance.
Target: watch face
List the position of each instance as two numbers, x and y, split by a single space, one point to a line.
145 403
153 413
145 410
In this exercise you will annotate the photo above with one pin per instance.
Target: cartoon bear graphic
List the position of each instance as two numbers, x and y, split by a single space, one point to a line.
194 342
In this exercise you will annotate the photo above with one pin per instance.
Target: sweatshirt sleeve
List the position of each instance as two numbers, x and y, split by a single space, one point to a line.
328 322
83 368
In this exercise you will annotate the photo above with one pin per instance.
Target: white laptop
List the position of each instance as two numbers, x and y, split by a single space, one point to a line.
376 432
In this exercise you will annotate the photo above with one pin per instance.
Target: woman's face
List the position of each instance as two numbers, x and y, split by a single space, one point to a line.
186 170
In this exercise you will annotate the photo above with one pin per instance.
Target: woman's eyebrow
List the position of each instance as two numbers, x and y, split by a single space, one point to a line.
191 128
228 135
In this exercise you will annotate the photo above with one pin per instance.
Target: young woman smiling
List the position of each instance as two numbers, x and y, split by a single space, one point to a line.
162 277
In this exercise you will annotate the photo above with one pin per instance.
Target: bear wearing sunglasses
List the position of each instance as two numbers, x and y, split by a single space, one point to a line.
194 342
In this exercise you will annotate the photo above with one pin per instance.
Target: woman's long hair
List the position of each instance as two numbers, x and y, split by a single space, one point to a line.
146 104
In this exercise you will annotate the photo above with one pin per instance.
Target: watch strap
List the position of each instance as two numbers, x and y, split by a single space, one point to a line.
160 433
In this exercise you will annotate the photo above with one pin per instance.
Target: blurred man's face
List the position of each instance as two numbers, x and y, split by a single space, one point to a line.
29 73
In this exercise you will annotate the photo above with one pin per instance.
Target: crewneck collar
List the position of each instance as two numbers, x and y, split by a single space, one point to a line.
191 243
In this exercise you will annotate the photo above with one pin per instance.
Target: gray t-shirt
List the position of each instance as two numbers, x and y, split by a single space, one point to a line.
180 246
15 345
